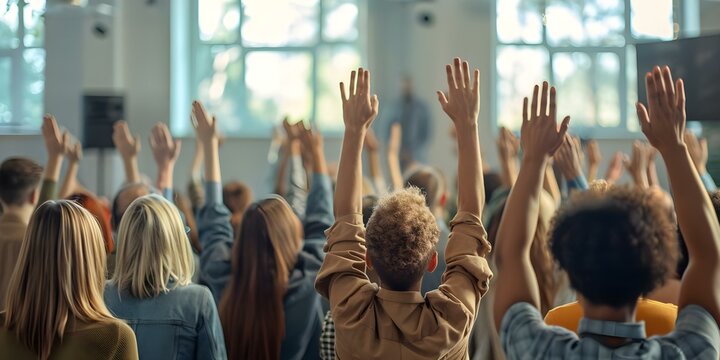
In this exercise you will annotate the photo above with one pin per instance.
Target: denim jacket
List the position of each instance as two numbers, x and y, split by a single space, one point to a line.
303 309
180 324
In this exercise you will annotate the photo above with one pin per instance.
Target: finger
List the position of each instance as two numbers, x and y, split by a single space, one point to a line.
669 88
466 74
361 82
374 103
643 116
342 92
704 146
442 99
659 87
680 95
153 142
458 72
561 134
552 103
352 83
533 104
178 146
652 95
367 82
476 80
544 99
525 110
450 79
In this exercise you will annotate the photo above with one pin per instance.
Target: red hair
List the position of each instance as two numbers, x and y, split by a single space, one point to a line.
101 212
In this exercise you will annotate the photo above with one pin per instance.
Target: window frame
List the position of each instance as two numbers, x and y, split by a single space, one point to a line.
193 43
19 123
622 130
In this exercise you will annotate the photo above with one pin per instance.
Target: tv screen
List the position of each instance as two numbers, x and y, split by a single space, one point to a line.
696 60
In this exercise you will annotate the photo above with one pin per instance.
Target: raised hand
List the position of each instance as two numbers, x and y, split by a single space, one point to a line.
359 108
663 120
594 157
462 102
164 148
508 145
312 141
540 134
126 144
567 159
615 168
74 151
637 165
204 124
698 151
56 141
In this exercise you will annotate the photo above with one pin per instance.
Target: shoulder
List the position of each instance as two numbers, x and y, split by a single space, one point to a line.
696 334
523 330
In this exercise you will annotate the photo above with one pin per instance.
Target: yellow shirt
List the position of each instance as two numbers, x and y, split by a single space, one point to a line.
659 317
377 323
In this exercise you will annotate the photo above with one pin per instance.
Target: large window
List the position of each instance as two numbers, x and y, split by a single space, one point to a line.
252 62
585 48
22 62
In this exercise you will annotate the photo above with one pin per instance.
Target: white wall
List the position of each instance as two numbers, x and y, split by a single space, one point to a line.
397 45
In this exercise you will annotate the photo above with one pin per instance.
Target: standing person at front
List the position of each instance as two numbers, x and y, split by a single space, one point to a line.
55 309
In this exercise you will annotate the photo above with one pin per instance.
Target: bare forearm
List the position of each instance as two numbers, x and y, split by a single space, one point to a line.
197 162
551 185
393 160
212 161
348 191
53 166
319 163
592 171
68 186
374 162
165 177
509 171
132 174
471 196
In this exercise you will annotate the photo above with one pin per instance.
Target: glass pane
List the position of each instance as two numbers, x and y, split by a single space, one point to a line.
34 67
219 79
340 21
8 24
5 98
334 64
632 90
280 22
573 73
278 84
218 20
652 19
585 22
607 79
32 16
519 68
519 21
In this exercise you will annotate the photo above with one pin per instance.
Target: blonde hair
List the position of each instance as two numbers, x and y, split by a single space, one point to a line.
59 276
153 249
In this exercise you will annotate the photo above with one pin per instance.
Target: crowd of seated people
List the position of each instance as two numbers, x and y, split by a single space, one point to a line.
540 259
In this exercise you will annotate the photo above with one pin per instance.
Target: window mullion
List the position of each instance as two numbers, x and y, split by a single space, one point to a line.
17 76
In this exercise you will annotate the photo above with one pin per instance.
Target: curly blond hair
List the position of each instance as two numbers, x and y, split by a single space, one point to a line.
401 237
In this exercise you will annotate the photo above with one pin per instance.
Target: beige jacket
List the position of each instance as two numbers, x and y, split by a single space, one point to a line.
12 233
376 323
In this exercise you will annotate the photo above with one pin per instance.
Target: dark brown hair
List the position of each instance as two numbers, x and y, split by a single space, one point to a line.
18 178
264 254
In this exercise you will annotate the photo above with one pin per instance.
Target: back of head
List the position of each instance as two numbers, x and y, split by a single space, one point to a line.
431 184
19 177
237 196
369 202
154 252
124 197
615 246
401 237
101 214
59 276
264 254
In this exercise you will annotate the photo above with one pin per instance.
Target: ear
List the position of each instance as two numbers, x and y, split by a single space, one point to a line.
368 262
433 262
33 198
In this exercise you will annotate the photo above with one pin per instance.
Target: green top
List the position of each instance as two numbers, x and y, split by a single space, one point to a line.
112 340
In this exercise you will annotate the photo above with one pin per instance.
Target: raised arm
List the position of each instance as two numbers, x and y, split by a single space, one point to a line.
567 159
663 122
699 153
129 147
74 156
594 157
615 168
462 105
165 150
319 211
636 165
508 147
56 143
297 193
393 156
652 175
372 149
540 137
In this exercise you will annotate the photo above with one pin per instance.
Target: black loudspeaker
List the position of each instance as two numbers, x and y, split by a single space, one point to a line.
100 112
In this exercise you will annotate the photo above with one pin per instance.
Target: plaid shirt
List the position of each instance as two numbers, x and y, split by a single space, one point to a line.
524 335
327 338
